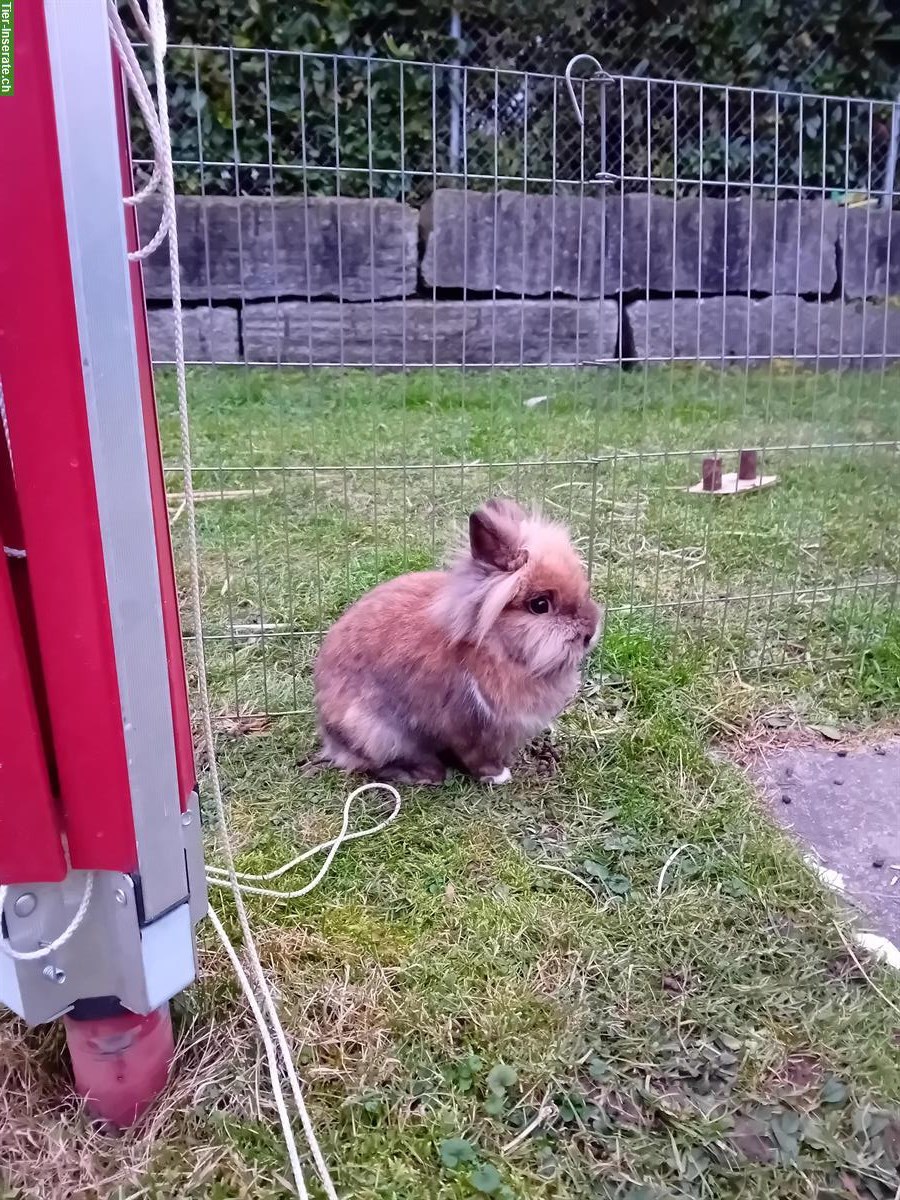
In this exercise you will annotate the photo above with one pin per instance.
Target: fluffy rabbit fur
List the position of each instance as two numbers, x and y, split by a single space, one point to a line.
459 668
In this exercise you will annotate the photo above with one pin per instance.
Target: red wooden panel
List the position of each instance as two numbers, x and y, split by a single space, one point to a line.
30 846
41 370
184 742
12 534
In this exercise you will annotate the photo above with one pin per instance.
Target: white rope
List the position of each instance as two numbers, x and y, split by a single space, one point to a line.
262 1004
283 1115
147 190
220 876
5 423
12 552
161 151
141 21
67 934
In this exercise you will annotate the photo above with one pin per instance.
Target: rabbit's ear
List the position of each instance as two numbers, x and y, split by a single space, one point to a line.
495 535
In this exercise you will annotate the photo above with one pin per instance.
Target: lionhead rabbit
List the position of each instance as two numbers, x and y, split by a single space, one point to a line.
459 668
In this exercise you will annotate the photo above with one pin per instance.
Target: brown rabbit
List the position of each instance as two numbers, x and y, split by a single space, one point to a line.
459 668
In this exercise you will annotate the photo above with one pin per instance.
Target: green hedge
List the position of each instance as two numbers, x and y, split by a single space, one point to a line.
361 125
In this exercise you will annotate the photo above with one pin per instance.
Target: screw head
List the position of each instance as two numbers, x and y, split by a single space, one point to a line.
54 974
121 897
187 818
25 904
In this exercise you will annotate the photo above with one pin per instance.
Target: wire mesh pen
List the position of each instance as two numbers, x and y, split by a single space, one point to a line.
411 284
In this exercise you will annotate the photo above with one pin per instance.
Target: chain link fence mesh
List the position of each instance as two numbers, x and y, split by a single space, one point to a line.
727 131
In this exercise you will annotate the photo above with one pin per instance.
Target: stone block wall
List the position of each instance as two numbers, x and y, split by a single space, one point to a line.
507 278
252 249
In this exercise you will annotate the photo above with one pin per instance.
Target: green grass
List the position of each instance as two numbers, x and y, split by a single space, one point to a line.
358 477
709 1036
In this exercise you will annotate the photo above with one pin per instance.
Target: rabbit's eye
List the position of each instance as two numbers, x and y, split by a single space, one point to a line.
539 605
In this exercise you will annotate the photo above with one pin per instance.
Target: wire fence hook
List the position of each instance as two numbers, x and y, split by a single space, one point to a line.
599 73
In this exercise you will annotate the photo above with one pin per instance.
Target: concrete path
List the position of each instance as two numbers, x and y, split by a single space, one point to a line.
844 808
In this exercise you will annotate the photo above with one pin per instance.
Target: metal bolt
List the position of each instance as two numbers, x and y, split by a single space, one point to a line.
121 897
25 904
54 974
187 818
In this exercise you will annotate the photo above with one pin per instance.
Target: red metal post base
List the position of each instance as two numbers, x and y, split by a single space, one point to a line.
121 1063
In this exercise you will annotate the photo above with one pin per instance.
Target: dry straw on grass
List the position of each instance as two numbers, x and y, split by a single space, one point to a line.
48 1147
